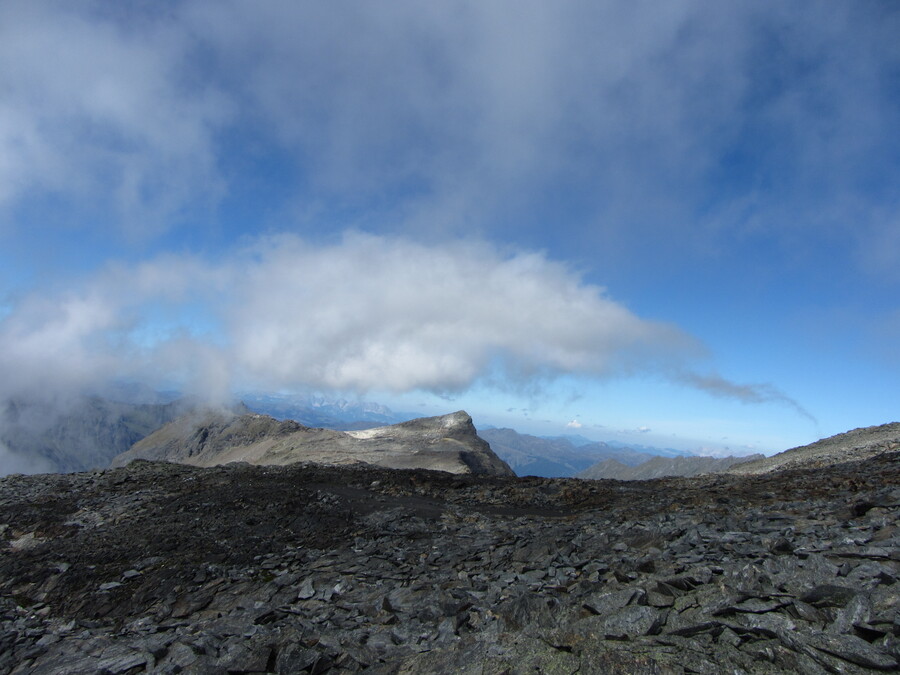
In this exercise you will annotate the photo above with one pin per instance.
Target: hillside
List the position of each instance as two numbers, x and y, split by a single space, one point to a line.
852 445
659 467
446 443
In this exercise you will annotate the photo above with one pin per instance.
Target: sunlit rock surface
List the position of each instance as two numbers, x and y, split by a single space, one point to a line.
445 443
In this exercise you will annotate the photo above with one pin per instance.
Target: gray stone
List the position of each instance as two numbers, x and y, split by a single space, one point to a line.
853 649
625 623
829 595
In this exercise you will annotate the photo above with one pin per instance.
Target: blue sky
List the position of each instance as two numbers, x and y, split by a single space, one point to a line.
673 223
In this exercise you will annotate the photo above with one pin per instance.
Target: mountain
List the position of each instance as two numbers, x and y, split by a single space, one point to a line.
208 438
320 411
658 467
652 450
82 433
575 439
314 569
555 457
852 445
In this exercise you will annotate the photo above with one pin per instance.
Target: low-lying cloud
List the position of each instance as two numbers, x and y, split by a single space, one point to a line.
367 313
11 462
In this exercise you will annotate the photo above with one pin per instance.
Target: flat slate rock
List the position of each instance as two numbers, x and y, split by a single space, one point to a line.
306 568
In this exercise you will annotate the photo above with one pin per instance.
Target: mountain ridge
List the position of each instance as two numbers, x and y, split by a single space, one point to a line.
659 467
446 443
559 456
855 444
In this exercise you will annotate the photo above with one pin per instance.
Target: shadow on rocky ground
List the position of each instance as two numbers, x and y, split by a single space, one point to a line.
167 568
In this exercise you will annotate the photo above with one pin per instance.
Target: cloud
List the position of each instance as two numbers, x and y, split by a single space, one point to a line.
459 116
574 424
100 110
11 462
389 313
366 313
716 385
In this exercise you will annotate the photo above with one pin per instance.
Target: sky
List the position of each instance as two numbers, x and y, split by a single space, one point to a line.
669 223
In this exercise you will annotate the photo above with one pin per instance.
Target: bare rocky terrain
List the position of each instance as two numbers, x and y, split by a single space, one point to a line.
208 438
169 568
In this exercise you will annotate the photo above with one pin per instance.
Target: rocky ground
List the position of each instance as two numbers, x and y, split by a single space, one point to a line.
169 568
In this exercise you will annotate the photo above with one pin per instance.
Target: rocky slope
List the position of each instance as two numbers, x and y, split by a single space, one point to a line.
856 444
445 443
659 467
167 568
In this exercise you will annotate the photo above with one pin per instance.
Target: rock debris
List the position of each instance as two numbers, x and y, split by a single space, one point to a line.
166 568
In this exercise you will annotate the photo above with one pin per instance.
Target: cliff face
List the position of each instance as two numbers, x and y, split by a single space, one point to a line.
445 443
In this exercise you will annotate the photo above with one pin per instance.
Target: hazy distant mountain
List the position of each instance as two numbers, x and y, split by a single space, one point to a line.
320 411
575 439
209 438
82 433
652 450
558 457
659 467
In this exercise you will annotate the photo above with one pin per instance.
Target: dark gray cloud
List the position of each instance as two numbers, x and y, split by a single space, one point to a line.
717 385
448 116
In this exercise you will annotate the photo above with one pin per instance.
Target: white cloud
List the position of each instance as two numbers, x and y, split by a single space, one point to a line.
101 109
574 424
389 313
369 312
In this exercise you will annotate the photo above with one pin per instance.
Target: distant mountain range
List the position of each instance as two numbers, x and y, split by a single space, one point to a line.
87 432
562 456
328 413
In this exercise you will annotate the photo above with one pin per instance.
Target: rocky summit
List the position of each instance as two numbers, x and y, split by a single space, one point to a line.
306 568
208 438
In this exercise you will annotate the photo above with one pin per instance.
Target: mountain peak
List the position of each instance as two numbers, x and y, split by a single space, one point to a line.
445 443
